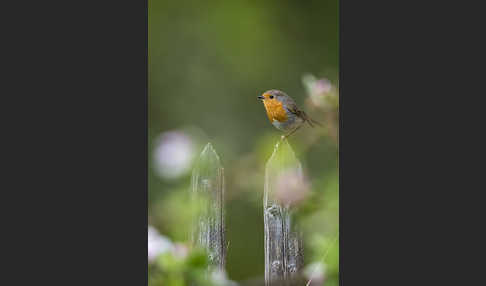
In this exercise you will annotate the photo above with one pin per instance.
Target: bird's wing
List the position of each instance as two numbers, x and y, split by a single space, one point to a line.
292 107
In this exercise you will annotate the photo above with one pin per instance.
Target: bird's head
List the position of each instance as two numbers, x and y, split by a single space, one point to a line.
272 96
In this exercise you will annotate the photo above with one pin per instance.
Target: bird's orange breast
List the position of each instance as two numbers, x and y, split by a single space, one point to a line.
275 110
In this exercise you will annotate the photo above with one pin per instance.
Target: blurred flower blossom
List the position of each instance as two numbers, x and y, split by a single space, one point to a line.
315 273
157 244
173 154
291 187
180 250
219 277
321 92
321 86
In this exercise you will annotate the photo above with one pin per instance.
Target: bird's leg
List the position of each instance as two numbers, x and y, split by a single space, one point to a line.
291 132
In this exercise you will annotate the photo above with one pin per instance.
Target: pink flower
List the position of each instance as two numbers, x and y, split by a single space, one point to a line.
291 187
321 86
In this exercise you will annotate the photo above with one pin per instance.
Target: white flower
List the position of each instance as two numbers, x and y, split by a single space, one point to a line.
219 278
157 244
173 154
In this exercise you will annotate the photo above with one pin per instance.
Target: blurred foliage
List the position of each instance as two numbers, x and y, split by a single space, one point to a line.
170 270
208 61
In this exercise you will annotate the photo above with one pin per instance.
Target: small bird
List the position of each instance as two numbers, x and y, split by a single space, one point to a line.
283 113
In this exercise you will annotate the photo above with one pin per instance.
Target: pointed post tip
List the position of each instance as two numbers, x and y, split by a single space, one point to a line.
282 144
208 146
283 154
209 152
208 149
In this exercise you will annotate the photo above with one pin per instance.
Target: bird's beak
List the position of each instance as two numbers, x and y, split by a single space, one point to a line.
261 97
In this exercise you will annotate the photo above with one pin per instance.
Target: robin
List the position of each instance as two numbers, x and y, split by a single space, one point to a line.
283 113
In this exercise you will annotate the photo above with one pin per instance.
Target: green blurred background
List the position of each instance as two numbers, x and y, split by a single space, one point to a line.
208 61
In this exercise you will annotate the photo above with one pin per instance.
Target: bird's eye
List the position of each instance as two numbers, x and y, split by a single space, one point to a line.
271 96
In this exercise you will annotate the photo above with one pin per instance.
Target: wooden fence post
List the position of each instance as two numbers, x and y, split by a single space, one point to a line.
283 241
207 187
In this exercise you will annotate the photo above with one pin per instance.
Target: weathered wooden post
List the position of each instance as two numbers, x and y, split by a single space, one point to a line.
283 242
207 188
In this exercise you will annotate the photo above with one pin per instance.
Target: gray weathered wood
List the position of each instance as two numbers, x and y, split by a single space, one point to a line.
207 186
283 241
